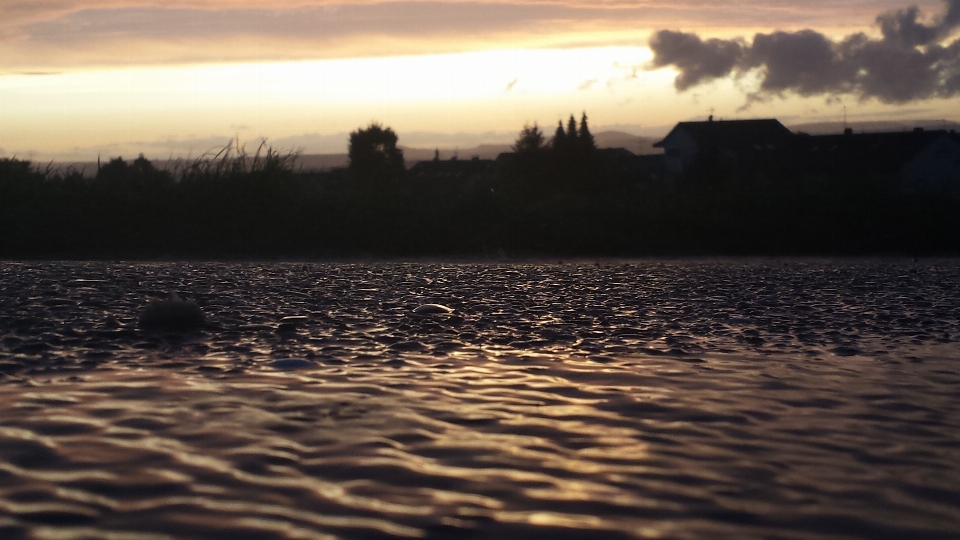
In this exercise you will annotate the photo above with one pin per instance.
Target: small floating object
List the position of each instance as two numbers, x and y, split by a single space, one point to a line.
84 282
172 314
432 309
292 363
291 323
844 350
111 323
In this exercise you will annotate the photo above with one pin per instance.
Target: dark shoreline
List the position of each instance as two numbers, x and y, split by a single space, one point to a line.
136 212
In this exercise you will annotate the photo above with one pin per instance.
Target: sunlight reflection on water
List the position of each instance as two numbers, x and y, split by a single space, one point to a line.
687 400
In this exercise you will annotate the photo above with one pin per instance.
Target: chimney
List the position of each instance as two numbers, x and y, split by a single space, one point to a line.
918 130
848 131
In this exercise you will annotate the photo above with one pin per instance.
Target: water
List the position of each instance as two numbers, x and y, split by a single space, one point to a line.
654 399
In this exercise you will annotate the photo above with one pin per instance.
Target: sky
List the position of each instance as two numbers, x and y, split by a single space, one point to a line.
176 78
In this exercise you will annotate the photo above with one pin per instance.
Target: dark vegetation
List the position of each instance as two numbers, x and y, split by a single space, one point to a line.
556 197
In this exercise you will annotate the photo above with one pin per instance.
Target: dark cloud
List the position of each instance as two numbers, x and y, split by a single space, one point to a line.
68 34
804 61
904 27
699 61
388 19
912 60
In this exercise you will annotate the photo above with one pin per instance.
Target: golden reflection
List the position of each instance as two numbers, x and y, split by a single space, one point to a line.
456 498
553 519
18 508
460 441
57 476
81 496
282 527
49 398
244 508
26 435
72 533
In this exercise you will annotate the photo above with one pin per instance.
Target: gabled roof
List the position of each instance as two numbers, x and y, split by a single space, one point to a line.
731 133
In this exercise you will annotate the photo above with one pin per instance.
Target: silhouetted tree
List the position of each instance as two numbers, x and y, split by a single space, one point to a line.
135 175
584 138
115 170
143 167
374 154
530 142
530 158
572 161
560 143
16 170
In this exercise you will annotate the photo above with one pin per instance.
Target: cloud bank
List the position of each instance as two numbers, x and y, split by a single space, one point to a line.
55 35
911 60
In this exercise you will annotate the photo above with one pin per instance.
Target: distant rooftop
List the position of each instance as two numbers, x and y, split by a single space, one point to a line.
731 132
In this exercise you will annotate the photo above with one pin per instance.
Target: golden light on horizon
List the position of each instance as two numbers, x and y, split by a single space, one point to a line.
129 76
485 90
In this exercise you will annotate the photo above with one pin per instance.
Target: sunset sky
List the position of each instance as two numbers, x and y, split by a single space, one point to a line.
80 78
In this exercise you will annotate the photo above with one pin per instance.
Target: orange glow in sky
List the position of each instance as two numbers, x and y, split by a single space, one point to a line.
85 77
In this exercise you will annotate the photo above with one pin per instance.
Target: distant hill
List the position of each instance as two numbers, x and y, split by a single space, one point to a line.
619 139
414 155
320 162
637 144
826 128
483 151
604 139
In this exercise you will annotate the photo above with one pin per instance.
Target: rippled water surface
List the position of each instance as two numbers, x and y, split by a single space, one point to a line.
691 399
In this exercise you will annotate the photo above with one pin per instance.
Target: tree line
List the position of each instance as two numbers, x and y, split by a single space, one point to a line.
550 197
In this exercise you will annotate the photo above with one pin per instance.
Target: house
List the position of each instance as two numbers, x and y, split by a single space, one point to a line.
620 163
453 177
734 144
922 161
452 170
935 169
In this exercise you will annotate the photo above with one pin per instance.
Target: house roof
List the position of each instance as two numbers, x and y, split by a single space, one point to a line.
615 154
454 168
731 133
866 151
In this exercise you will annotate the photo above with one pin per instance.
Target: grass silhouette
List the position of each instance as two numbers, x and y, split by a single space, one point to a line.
230 203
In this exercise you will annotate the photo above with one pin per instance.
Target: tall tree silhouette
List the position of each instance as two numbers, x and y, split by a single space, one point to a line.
560 139
374 155
584 138
572 130
530 156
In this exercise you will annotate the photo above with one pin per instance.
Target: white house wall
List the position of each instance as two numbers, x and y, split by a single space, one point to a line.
935 169
680 152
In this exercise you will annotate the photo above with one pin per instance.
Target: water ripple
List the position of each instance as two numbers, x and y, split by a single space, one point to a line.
715 399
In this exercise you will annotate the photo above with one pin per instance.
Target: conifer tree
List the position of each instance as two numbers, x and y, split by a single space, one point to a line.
572 131
560 138
585 139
